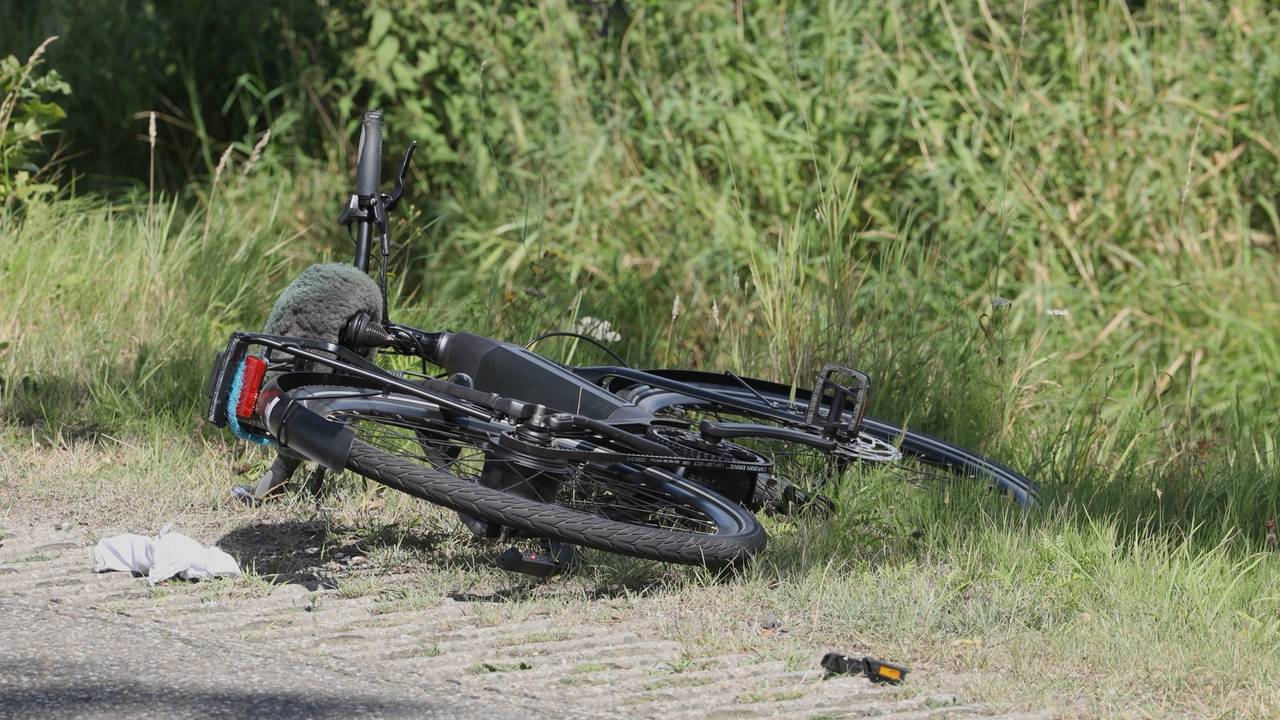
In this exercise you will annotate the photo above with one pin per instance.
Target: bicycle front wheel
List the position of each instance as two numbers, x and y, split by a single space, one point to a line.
408 444
912 455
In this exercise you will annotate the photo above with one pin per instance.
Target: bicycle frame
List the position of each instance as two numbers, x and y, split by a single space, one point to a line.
328 442
509 369
675 381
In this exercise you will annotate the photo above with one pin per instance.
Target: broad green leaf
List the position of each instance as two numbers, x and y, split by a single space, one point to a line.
386 53
380 25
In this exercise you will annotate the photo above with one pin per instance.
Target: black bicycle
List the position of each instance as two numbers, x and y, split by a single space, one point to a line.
669 465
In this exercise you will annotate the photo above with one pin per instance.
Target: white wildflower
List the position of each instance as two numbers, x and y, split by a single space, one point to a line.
597 328
1058 312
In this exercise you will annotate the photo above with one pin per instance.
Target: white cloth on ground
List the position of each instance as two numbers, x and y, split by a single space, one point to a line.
163 556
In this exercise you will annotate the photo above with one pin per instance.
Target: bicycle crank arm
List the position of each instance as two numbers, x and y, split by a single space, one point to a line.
729 431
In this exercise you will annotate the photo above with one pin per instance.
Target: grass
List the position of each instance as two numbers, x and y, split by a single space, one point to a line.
1049 234
1031 609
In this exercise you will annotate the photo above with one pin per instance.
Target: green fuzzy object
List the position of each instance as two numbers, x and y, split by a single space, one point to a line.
321 300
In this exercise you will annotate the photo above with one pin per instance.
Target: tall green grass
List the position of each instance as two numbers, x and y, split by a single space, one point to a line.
1048 234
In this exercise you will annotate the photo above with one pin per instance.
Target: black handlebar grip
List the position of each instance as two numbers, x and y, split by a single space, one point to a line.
369 157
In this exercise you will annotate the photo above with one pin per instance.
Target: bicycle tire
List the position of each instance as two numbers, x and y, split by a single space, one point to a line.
737 537
958 461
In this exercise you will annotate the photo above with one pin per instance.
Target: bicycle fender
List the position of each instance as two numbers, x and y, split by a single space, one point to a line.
308 434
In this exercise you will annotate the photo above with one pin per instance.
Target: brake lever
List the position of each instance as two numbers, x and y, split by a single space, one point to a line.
398 190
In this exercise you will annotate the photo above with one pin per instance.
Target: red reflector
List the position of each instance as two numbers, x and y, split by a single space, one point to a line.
254 368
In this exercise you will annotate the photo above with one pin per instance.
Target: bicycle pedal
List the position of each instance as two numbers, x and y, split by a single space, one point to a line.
537 564
831 400
875 669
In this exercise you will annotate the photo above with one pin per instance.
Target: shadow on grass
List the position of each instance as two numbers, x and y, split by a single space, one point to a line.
317 554
310 552
51 406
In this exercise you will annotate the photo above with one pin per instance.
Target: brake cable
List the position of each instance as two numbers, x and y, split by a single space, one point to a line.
579 336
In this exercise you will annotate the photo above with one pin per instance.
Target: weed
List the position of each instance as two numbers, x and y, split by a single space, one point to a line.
496 667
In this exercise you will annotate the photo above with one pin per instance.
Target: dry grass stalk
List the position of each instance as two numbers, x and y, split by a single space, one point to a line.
224 162
11 100
151 140
257 153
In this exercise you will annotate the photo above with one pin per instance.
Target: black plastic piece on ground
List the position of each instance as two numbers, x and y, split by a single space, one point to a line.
545 563
876 670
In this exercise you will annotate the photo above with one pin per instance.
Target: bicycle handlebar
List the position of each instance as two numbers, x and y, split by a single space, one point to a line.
369 156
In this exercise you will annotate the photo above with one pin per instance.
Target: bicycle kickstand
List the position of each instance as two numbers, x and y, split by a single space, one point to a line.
277 475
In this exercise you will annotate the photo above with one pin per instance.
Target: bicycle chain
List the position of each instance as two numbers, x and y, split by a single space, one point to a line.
686 438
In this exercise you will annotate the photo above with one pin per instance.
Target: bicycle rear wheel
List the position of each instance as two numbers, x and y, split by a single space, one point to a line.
406 443
911 455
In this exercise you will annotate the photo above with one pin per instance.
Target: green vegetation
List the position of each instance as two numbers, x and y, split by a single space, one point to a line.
1048 230
25 116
